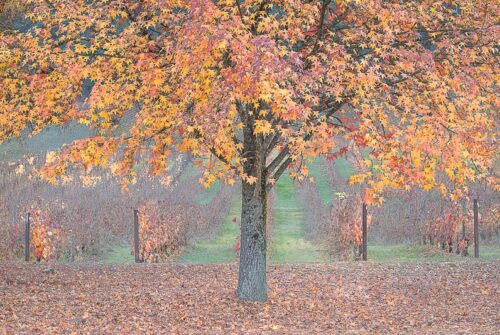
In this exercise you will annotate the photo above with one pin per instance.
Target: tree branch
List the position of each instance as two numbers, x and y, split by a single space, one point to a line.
272 143
279 172
240 12
319 34
277 160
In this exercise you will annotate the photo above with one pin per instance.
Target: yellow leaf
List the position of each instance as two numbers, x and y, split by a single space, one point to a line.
262 127
251 180
358 178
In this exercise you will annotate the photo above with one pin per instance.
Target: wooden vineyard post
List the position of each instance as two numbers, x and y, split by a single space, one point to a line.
365 235
136 236
27 239
466 243
476 229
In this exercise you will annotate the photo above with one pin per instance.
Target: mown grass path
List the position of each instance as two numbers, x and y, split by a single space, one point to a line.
321 182
220 249
118 254
289 242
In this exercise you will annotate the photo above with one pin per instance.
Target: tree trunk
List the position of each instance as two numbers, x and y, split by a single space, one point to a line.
252 284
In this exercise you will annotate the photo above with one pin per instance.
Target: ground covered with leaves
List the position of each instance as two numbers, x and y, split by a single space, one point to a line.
345 298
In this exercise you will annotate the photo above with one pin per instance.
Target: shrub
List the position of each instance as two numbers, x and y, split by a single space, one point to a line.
46 235
162 233
166 227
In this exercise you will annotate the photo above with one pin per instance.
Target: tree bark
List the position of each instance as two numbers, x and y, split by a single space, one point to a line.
252 284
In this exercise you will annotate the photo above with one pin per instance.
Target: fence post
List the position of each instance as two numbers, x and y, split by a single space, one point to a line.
476 230
465 251
365 235
27 239
136 236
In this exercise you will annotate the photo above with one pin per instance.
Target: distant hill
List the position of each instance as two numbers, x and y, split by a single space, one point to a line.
52 138
49 139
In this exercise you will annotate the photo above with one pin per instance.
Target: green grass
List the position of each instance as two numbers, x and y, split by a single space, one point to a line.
119 254
343 167
189 173
289 243
402 253
220 249
417 253
51 138
317 171
488 252
207 195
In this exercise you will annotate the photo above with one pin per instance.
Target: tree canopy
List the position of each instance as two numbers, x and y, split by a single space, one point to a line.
414 82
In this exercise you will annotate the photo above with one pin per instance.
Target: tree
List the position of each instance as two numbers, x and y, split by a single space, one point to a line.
253 88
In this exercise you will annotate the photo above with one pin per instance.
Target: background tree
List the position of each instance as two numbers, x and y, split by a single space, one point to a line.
253 88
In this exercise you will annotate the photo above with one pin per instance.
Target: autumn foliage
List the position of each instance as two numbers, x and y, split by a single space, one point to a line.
336 225
162 234
414 82
87 229
165 229
46 235
346 212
